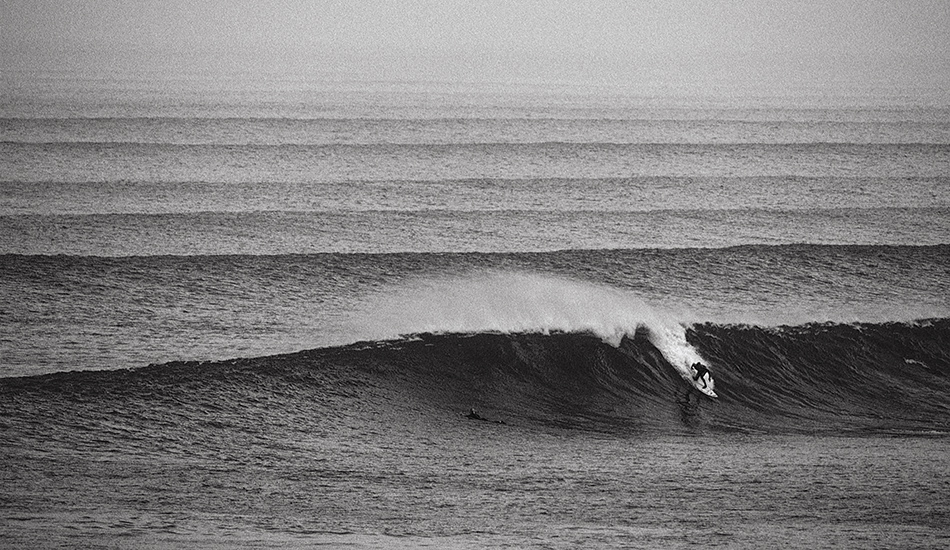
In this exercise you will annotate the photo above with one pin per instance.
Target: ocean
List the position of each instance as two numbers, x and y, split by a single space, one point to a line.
243 314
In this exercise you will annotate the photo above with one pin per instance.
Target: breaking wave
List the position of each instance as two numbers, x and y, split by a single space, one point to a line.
848 379
510 303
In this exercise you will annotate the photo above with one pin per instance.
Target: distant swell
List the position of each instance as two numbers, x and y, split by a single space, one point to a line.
521 146
829 378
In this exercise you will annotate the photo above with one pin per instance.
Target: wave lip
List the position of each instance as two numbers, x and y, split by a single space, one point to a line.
507 302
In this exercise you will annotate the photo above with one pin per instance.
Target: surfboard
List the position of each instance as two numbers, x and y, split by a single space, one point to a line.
710 388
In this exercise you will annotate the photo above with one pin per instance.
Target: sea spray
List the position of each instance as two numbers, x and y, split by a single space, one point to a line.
519 302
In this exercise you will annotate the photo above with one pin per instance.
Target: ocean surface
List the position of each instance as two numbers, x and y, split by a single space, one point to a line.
241 314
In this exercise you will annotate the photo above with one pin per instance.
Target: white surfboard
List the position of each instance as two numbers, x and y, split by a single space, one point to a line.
710 386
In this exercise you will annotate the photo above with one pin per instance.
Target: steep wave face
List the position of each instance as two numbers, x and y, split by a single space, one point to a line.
829 378
891 376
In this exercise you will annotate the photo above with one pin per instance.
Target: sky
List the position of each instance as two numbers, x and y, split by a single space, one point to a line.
696 42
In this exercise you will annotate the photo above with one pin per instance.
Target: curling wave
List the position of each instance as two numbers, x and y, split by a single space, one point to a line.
830 378
513 303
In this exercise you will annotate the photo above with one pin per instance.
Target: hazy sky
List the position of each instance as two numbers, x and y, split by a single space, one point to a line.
903 42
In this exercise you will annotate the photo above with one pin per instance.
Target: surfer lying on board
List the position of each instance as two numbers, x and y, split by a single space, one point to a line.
474 415
701 372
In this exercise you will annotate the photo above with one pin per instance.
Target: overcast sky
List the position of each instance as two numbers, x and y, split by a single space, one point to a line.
902 42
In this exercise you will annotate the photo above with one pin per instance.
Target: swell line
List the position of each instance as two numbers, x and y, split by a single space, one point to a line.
593 145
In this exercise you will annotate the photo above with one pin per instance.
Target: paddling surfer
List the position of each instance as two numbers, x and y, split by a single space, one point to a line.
473 415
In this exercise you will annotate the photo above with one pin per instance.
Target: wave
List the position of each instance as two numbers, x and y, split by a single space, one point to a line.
667 194
891 378
291 232
539 181
690 127
892 117
448 210
511 302
491 159
97 312
826 147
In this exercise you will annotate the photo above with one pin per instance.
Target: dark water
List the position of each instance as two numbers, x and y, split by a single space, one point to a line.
822 435
386 257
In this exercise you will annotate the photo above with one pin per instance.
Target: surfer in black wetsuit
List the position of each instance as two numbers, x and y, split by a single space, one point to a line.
701 372
473 415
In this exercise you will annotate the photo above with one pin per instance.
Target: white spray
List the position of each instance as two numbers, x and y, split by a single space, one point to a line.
517 302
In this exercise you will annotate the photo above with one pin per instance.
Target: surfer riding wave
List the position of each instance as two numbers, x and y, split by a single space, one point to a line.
700 373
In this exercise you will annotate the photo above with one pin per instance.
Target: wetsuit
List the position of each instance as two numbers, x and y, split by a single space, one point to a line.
701 371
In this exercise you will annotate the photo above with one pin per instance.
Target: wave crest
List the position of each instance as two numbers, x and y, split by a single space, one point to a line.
510 303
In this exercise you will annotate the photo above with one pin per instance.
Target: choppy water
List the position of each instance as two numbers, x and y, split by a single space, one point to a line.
555 258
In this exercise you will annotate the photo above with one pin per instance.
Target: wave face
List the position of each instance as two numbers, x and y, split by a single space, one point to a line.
67 313
825 378
893 376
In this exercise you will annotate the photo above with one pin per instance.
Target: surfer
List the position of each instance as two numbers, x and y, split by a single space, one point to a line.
473 414
701 372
